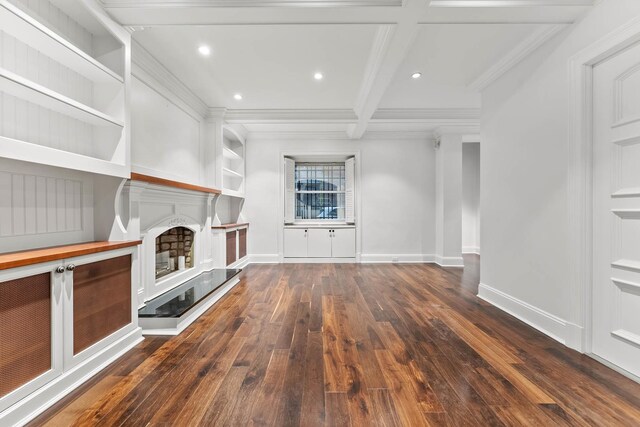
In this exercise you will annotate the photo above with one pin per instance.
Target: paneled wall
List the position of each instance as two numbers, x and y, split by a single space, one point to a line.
42 206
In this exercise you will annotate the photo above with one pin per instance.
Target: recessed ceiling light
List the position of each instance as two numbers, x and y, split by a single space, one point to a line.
318 76
416 75
237 97
204 50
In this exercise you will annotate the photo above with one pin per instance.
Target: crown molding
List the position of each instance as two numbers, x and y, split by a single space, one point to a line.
427 115
457 129
515 56
314 135
291 116
142 60
298 135
247 3
509 3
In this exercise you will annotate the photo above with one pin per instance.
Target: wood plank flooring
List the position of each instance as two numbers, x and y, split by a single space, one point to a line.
360 345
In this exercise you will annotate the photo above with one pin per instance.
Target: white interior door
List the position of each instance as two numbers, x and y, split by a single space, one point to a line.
616 244
319 244
343 243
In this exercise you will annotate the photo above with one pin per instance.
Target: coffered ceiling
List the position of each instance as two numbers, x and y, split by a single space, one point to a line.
268 51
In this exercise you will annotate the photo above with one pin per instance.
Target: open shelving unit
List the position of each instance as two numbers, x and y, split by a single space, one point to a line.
62 87
232 163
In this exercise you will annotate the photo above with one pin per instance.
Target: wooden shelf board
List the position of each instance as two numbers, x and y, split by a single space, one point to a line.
22 88
34 153
37 35
232 193
170 183
227 226
38 256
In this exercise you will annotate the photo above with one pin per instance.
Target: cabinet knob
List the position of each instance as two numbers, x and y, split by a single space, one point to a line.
60 269
71 267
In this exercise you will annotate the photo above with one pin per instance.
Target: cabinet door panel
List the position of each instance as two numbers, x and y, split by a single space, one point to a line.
231 247
319 243
101 300
25 330
295 243
344 243
242 243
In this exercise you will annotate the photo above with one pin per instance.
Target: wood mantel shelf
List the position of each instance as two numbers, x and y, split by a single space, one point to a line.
54 253
226 226
175 184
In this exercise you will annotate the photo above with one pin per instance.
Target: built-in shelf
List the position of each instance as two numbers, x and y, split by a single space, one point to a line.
37 35
170 183
228 226
228 152
29 91
34 153
231 172
55 253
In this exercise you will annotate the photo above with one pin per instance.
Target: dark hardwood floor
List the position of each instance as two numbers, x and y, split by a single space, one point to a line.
343 344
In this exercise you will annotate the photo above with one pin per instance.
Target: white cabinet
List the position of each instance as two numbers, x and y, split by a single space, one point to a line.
315 242
295 243
61 321
319 243
343 243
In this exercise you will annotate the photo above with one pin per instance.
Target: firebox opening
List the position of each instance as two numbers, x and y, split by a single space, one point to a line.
174 251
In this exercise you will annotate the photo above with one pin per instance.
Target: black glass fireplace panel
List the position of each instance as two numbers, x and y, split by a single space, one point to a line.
181 299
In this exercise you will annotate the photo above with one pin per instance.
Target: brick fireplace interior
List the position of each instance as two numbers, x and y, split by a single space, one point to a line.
172 247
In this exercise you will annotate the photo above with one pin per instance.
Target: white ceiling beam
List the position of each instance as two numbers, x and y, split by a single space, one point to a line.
387 54
515 56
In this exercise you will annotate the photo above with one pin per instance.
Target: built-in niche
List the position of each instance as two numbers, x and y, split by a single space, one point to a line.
174 251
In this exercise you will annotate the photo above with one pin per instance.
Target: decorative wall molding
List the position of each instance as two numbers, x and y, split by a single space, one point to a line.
515 56
290 116
559 329
143 61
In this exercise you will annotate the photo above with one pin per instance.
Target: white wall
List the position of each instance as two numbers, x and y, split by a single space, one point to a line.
165 138
471 197
524 176
397 193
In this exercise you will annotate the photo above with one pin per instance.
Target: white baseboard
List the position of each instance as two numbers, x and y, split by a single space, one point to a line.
396 258
449 261
471 250
559 329
318 260
264 259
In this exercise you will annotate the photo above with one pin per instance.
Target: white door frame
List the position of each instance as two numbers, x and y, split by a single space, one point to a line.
580 176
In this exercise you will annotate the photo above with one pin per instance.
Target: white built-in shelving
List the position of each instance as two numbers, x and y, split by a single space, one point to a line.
62 86
232 163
